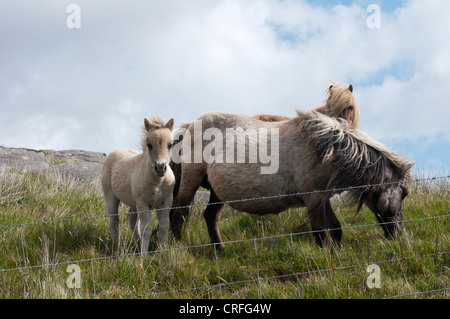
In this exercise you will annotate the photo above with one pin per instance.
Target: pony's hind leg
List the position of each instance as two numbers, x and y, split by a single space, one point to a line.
212 216
191 179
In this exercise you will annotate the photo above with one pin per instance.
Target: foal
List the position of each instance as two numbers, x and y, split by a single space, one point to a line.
141 181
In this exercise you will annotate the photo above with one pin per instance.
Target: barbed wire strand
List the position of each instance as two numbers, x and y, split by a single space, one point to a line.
208 245
334 190
295 274
418 293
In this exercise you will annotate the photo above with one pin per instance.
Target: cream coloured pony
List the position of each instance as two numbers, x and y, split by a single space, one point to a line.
340 103
141 181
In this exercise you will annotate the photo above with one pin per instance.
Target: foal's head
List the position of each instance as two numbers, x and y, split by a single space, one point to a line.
342 103
156 143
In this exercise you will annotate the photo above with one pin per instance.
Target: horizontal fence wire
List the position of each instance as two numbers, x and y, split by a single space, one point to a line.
221 282
254 280
213 244
303 273
334 190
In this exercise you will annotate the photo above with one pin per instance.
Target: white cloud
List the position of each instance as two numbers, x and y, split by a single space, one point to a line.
414 106
90 88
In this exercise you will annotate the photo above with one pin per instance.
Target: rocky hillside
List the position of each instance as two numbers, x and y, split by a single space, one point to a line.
82 165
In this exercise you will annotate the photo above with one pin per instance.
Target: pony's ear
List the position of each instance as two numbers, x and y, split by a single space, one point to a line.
350 87
329 90
405 168
169 124
147 124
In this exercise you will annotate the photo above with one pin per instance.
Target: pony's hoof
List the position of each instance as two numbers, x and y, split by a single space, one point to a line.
301 228
219 247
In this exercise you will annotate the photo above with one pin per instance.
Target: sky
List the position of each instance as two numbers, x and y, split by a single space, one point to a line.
85 79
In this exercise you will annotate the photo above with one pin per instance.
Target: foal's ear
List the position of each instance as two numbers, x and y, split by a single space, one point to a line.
169 124
350 87
147 124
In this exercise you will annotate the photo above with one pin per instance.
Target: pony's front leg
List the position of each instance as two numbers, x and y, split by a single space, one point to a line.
132 222
323 220
163 215
333 224
112 207
144 227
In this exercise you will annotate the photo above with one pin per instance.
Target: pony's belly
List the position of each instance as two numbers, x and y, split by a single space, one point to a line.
263 207
122 189
125 197
245 189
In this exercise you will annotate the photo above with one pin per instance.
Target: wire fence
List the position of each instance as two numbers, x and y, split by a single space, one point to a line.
222 283
333 190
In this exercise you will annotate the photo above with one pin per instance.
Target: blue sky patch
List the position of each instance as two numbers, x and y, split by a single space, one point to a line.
387 6
401 70
430 155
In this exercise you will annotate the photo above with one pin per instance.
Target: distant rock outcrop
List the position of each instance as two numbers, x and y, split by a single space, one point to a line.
84 166
81 165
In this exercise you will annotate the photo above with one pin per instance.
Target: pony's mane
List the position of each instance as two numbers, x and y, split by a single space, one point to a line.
357 158
156 123
340 98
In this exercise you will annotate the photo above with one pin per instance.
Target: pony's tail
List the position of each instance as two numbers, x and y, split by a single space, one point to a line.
176 166
360 203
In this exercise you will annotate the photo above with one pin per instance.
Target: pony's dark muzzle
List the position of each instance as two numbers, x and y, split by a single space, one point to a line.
160 169
393 229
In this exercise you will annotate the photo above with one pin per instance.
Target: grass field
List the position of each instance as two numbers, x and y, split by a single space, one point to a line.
263 258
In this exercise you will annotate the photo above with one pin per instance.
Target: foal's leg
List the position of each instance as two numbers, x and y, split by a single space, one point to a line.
143 226
132 217
112 207
164 221
212 216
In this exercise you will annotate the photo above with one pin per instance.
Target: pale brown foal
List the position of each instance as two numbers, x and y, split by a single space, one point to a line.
141 181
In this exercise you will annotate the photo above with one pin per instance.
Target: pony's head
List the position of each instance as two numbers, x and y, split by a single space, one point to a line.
386 201
156 143
342 103
379 176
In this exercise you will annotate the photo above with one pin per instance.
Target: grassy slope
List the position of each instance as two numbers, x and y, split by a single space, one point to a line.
292 265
